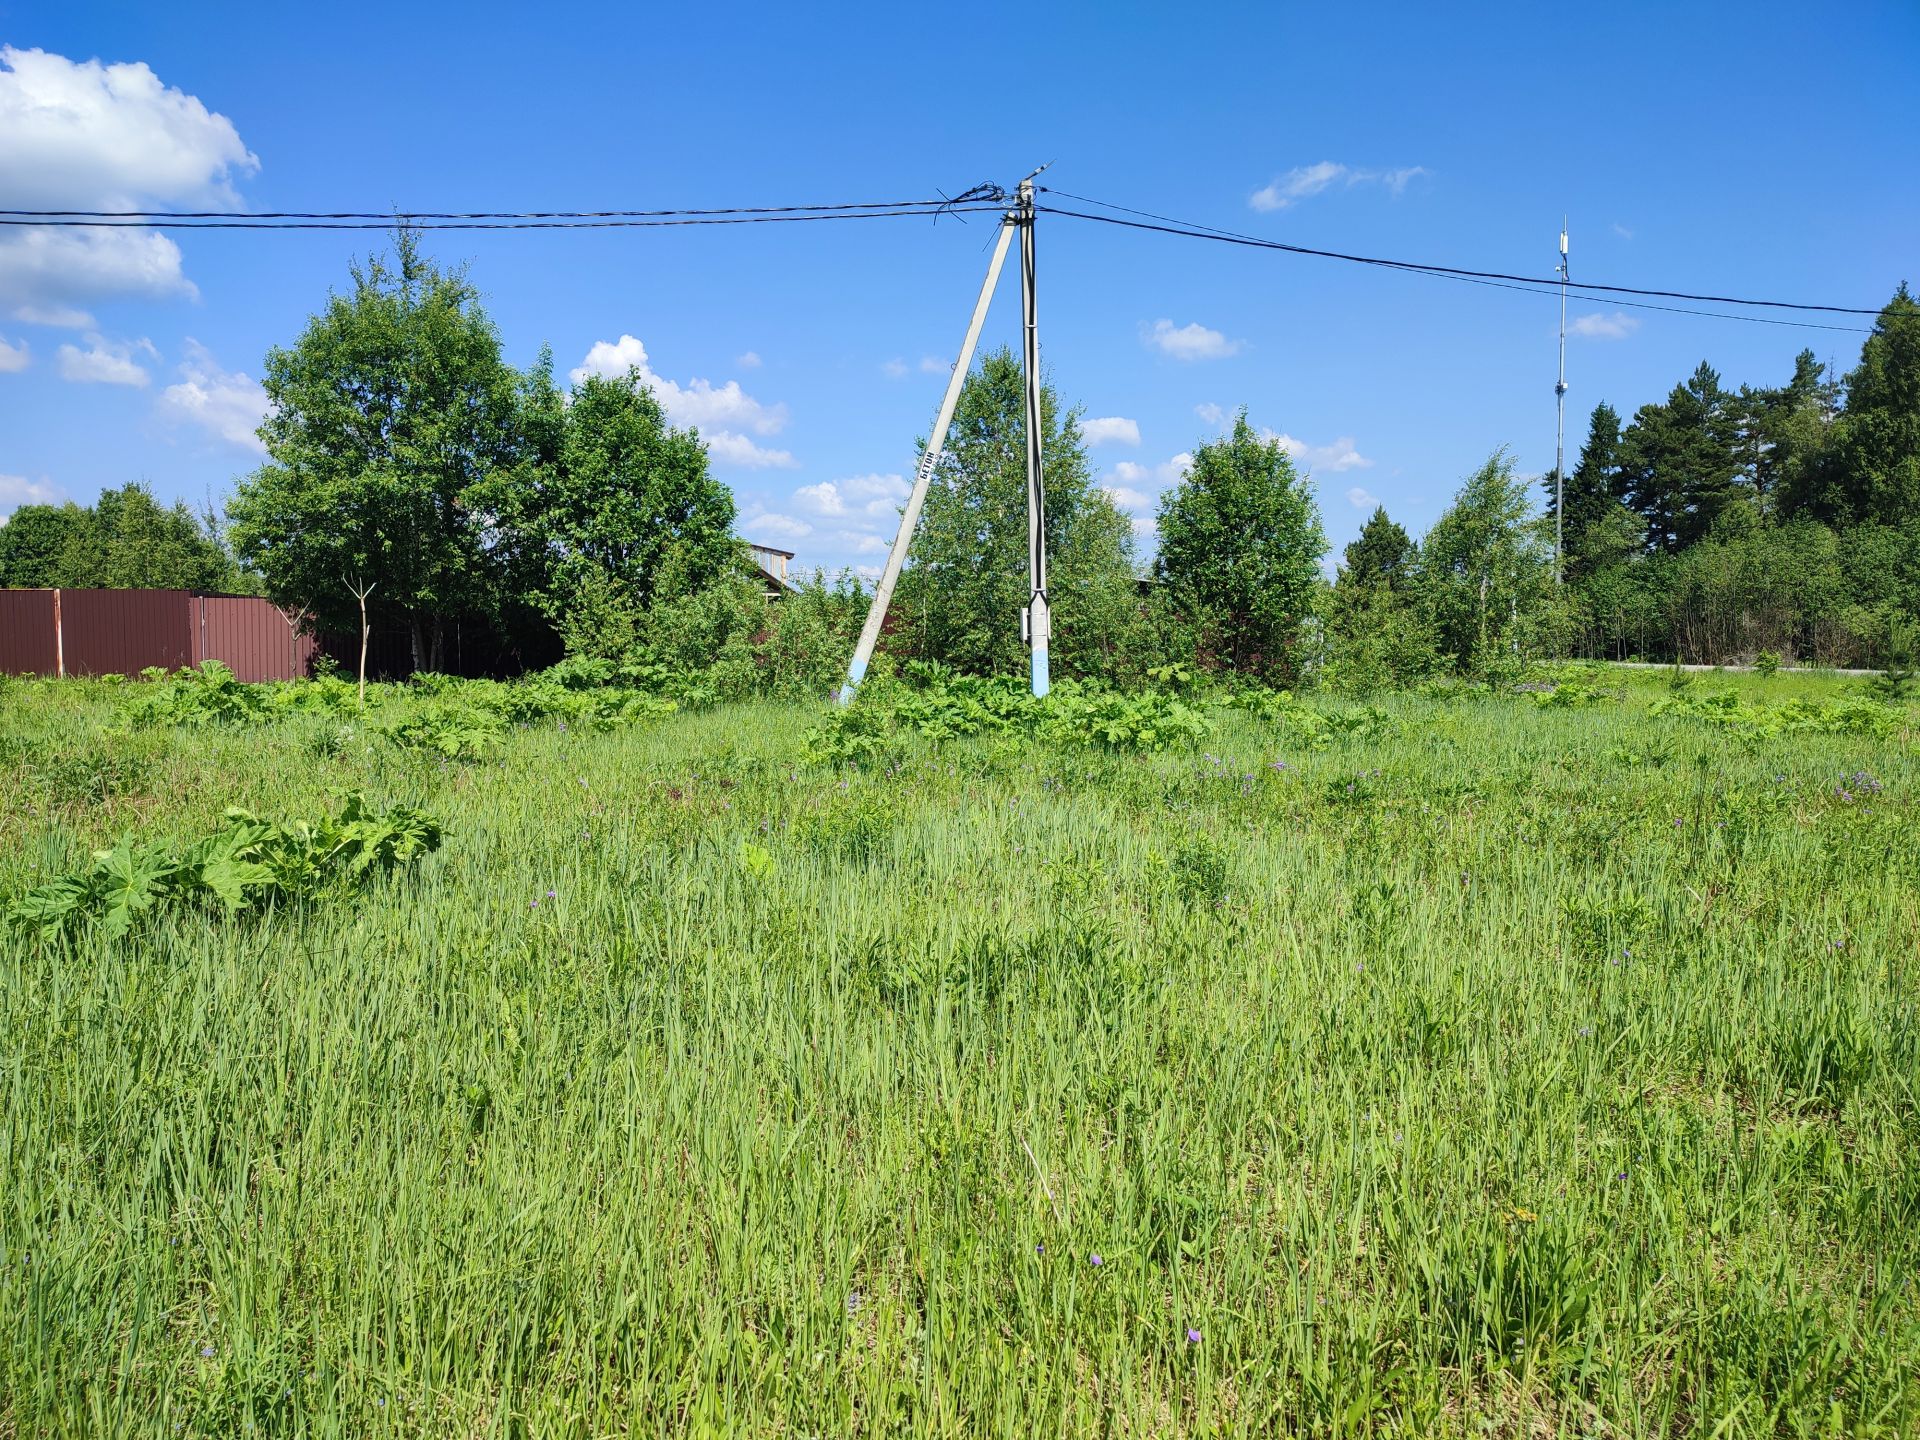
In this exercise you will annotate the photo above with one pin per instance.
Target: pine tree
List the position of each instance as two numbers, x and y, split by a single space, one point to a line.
1679 461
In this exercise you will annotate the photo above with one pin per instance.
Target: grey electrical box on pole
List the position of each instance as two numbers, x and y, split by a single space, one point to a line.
923 476
1037 620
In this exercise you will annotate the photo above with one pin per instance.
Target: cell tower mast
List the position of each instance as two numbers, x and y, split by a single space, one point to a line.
1560 427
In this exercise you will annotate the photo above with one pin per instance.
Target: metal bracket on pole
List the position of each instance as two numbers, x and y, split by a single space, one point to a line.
923 476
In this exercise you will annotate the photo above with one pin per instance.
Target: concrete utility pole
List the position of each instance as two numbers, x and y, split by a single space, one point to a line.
1560 427
923 476
1037 619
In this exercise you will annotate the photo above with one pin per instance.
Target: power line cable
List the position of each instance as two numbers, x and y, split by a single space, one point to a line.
931 211
1168 225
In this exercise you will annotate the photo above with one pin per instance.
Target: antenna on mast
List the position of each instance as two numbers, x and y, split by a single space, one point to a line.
1560 427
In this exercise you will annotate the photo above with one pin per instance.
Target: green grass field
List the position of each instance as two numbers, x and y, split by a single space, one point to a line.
1480 1067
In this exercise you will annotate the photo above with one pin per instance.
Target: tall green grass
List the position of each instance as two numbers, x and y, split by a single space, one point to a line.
1488 1069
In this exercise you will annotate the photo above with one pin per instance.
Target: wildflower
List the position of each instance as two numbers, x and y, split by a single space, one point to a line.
1524 1215
1041 1248
533 903
1094 1259
1193 1336
854 1301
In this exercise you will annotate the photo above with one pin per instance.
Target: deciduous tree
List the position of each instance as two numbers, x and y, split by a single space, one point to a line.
386 413
1240 548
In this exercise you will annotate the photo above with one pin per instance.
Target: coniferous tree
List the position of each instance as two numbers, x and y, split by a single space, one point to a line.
1593 490
1381 557
1869 472
1679 462
1783 430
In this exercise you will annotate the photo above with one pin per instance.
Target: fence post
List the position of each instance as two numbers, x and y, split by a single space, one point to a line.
59 640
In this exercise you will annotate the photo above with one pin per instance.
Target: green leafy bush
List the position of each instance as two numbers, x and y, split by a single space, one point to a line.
1825 717
247 863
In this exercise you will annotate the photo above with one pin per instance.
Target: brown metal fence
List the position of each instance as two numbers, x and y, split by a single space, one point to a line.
122 632
28 635
253 638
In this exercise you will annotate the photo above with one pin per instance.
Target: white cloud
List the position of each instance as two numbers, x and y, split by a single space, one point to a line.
1340 455
1361 499
1211 413
89 136
228 405
1135 487
860 499
1305 181
894 369
12 357
1396 181
106 362
749 361
17 490
42 271
934 365
698 402
1128 498
720 412
1617 326
58 317
1188 342
770 525
1111 427
731 449
1297 184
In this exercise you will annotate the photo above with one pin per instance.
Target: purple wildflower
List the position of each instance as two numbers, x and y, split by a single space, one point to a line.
1094 1259
1193 1336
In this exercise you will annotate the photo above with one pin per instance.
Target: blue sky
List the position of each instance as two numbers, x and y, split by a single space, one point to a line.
1764 150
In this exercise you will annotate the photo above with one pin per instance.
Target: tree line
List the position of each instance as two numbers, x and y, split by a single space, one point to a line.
1719 523
411 468
125 540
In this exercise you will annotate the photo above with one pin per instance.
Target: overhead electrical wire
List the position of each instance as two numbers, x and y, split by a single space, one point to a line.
1165 224
978 199
931 211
